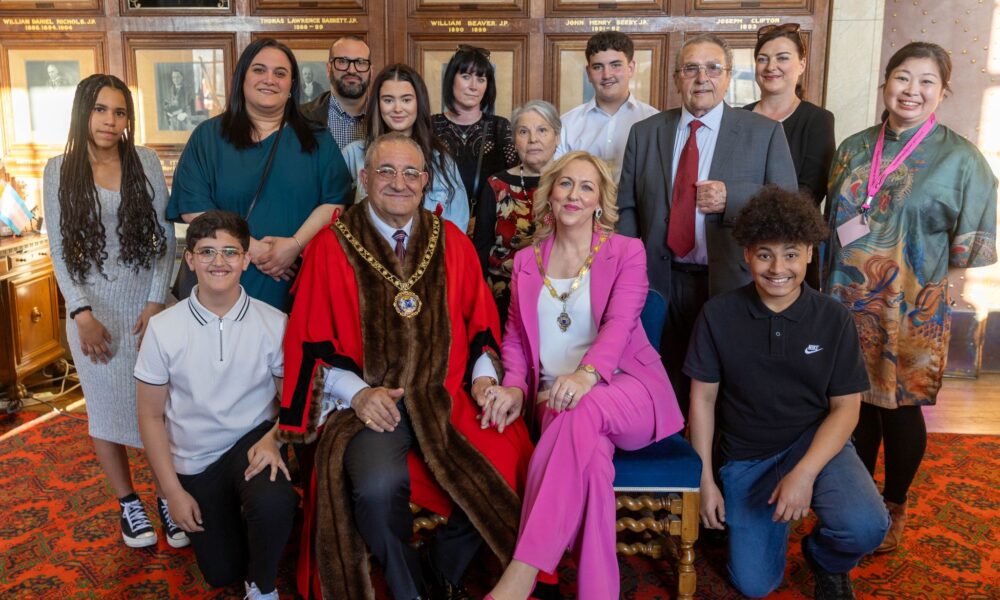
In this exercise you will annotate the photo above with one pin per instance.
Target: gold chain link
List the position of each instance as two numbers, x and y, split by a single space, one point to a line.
365 254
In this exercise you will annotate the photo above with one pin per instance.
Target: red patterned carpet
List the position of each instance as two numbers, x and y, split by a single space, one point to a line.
59 537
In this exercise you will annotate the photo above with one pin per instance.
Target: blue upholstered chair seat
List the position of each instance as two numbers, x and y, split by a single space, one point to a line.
670 465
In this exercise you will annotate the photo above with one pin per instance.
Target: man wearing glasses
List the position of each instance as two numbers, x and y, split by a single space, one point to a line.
601 125
686 174
342 108
392 302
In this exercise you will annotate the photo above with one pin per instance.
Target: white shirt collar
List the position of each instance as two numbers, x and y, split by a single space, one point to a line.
203 315
712 119
386 230
630 102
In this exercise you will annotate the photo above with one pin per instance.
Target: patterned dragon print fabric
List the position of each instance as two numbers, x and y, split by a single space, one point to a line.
937 210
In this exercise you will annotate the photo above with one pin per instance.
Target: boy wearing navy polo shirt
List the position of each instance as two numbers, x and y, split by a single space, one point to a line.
208 376
784 364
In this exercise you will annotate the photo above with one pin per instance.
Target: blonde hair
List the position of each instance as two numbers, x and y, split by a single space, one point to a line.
608 198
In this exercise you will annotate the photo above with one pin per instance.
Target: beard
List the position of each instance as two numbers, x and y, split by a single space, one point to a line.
351 90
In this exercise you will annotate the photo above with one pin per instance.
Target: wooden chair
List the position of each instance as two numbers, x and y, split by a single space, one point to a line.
661 483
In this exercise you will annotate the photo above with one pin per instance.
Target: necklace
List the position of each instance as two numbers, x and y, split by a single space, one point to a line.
520 172
406 302
563 320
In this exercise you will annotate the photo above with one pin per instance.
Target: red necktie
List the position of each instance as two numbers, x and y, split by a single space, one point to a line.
400 250
680 235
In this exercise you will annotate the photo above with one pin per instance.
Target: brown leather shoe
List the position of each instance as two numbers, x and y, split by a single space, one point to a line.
894 537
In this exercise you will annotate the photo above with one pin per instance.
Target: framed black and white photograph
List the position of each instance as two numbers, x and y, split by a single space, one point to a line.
51 83
178 88
313 80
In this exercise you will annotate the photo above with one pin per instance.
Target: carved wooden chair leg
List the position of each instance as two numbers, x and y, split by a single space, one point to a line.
686 578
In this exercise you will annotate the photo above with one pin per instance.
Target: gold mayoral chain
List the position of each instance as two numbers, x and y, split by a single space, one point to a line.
563 320
406 303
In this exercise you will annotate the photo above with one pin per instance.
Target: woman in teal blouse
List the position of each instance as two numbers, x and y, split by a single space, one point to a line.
223 162
929 204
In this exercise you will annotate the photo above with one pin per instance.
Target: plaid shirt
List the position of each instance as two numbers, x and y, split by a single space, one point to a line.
343 127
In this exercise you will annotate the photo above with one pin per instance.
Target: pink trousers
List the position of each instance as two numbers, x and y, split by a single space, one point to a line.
569 501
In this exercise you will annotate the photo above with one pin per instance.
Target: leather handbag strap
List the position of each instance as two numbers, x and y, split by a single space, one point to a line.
267 170
479 163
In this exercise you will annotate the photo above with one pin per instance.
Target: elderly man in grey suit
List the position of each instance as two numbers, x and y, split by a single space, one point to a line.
686 174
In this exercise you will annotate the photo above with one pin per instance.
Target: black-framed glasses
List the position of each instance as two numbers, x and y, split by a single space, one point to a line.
782 27
480 51
206 256
691 70
410 175
342 63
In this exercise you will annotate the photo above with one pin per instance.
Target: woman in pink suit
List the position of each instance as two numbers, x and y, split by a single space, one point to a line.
576 355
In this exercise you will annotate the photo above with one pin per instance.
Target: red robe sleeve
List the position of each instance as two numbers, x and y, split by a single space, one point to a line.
324 329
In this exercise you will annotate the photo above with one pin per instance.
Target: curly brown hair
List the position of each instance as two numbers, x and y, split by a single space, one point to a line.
777 215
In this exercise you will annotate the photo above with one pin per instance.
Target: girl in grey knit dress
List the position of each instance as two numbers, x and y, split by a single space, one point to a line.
113 255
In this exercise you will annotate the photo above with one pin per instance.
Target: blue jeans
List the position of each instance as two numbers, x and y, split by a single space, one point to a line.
852 516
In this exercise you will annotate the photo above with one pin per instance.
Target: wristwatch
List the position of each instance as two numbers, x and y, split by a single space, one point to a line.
590 369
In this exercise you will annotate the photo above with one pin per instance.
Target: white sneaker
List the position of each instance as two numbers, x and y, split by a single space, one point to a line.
254 593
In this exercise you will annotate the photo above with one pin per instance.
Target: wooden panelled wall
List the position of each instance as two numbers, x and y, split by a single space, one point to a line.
537 46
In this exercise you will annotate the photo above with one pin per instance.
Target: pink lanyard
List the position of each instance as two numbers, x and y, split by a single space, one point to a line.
876 179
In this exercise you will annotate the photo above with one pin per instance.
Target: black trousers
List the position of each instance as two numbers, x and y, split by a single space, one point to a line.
247 523
688 293
377 467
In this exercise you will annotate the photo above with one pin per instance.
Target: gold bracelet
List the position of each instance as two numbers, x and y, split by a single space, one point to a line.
297 242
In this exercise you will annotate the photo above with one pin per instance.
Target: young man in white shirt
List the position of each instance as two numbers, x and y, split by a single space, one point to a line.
601 125
209 374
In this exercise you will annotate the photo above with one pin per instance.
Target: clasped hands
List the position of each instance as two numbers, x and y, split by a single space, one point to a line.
275 256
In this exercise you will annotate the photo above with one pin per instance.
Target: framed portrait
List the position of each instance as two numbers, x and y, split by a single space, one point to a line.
175 7
606 7
75 6
569 85
756 6
323 6
513 7
507 55
42 76
178 83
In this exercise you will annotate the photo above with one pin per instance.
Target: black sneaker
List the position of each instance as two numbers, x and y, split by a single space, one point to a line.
137 531
176 537
829 586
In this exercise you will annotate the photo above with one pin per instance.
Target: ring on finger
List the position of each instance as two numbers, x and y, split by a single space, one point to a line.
368 422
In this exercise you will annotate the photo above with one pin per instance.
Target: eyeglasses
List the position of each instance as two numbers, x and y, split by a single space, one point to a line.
206 256
342 63
480 51
410 175
782 27
713 70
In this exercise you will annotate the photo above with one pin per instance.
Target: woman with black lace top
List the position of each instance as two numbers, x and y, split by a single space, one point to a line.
480 142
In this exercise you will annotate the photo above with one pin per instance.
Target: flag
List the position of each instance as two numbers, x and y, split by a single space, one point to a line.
14 212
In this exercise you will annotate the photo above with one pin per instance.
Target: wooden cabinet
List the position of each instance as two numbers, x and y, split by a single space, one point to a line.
29 311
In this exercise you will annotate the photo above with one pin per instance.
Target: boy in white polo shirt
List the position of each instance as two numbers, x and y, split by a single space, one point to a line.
209 375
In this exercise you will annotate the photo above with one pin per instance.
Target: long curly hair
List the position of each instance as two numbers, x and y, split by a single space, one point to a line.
140 234
423 129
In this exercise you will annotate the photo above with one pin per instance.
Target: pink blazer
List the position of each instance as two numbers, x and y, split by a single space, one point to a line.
618 288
